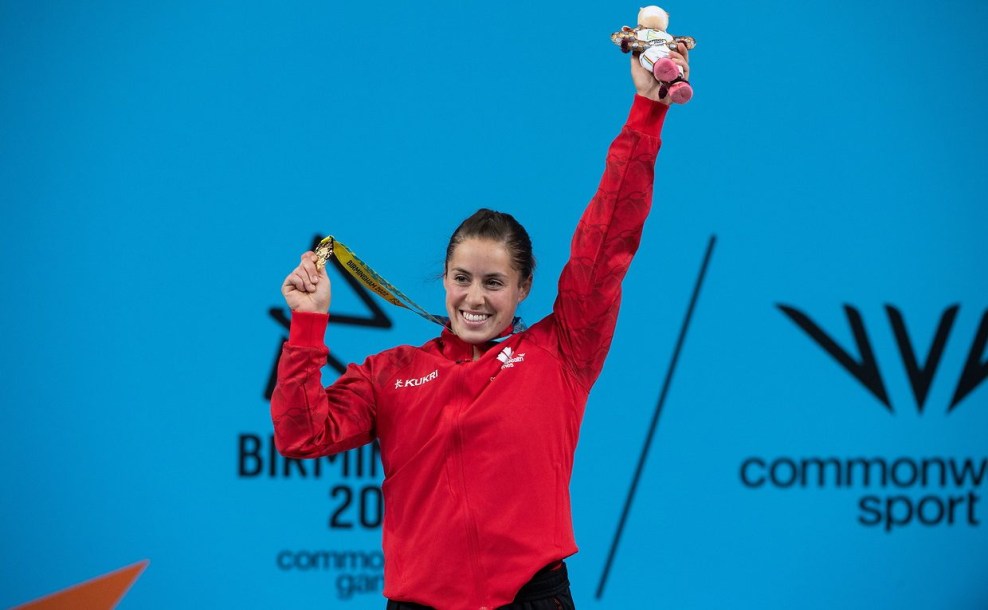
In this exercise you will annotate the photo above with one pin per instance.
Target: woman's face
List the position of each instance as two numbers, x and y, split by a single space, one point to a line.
482 289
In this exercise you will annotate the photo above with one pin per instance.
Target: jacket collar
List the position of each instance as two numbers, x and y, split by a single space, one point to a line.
456 349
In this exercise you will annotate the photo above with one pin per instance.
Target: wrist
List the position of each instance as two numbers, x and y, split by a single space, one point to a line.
308 328
647 115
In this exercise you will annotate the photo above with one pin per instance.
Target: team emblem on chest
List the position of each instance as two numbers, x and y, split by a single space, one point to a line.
508 358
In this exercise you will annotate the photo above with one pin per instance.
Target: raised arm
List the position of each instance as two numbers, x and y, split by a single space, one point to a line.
609 232
310 420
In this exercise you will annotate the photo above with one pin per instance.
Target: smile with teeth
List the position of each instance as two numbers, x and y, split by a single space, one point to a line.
474 317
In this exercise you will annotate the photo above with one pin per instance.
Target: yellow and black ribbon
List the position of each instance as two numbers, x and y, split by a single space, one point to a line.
361 271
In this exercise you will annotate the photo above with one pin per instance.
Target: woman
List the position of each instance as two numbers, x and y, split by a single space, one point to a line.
478 427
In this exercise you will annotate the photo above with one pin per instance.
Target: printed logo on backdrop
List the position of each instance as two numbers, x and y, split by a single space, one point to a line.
347 483
912 490
865 369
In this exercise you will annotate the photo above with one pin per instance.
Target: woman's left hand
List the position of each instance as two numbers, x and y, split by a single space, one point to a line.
645 83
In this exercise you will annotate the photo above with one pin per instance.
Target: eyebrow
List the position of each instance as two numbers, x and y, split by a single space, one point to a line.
496 274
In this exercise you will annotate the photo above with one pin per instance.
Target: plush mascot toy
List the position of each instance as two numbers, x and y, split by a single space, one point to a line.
652 45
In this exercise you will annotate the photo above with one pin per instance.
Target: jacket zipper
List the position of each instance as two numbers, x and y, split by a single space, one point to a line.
473 535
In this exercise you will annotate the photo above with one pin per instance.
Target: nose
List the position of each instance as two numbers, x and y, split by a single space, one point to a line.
475 295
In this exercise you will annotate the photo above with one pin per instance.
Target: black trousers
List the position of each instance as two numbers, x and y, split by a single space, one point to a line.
548 590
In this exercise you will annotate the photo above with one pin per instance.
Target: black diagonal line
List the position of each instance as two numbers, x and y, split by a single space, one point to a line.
655 416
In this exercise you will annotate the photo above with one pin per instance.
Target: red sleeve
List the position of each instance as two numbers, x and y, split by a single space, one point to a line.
310 420
605 241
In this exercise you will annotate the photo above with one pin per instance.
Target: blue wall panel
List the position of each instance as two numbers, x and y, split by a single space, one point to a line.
162 165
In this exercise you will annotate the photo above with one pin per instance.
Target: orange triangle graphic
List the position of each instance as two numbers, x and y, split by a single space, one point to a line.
101 593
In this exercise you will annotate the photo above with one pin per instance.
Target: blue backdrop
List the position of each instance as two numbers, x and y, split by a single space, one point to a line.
163 164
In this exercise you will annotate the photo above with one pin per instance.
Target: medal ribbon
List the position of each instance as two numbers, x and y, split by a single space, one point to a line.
361 271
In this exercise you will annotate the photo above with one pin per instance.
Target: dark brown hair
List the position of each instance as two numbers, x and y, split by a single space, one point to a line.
499 227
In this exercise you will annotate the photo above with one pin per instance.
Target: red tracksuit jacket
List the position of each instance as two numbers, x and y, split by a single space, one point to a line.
477 455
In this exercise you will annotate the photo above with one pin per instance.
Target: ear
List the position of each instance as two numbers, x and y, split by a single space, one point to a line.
526 287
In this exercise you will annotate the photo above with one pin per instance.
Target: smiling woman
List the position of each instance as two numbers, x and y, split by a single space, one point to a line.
489 267
478 427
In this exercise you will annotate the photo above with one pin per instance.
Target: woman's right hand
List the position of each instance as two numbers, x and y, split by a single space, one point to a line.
307 288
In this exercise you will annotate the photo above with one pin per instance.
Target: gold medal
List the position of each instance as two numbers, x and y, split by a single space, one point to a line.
323 252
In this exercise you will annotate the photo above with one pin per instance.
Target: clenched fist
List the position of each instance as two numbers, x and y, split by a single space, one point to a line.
307 288
645 83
